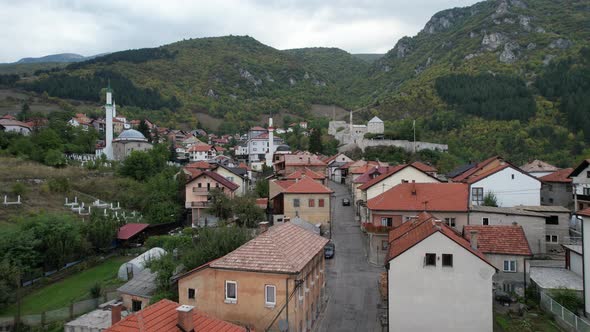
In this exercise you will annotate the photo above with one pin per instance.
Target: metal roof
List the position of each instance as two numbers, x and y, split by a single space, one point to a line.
143 284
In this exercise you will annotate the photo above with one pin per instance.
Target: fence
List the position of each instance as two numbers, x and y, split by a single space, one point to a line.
62 314
563 315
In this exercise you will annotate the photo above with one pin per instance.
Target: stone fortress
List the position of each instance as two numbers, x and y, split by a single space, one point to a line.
352 135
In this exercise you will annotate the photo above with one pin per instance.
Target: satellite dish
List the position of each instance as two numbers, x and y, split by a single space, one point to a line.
283 326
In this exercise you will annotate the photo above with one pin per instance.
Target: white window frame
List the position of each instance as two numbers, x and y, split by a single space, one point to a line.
385 221
268 303
229 299
511 265
551 236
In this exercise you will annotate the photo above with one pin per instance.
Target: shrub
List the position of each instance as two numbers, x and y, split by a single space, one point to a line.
96 290
55 158
59 185
19 189
490 199
568 298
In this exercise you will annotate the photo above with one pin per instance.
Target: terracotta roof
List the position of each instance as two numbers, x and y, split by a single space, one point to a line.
10 122
285 248
163 317
585 212
364 167
218 178
128 231
200 165
418 229
538 166
471 170
200 148
561 175
424 167
306 173
499 239
391 172
307 186
262 202
423 197
244 166
257 128
372 173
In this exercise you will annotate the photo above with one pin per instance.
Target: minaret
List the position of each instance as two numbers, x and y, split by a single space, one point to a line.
271 143
110 110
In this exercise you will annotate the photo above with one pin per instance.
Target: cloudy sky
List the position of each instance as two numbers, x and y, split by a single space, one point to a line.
37 28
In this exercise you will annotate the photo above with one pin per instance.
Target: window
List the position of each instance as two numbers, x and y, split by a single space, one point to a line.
552 220
386 221
551 200
550 187
191 293
296 202
311 202
254 149
135 305
508 288
551 238
485 221
588 174
384 245
586 191
199 185
512 176
321 202
509 266
254 143
477 196
447 260
450 221
270 295
231 292
430 259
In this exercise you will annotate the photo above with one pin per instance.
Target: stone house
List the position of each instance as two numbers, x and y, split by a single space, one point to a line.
556 189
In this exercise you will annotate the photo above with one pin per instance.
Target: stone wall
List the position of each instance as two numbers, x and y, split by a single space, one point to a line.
404 144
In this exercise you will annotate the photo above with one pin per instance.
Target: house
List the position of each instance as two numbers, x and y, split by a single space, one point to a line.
81 120
236 175
533 223
426 168
14 126
557 227
357 168
375 126
285 164
580 185
556 189
131 233
280 273
585 215
137 292
201 152
334 172
306 172
393 177
128 141
509 184
506 247
198 195
437 281
405 201
305 198
538 168
166 315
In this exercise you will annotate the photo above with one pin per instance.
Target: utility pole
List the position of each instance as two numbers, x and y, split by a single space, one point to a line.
414 126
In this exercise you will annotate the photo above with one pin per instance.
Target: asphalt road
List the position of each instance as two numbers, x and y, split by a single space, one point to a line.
352 282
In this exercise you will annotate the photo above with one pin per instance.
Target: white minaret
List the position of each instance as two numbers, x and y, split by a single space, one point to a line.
271 143
110 112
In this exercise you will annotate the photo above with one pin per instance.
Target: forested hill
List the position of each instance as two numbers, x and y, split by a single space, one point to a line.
235 76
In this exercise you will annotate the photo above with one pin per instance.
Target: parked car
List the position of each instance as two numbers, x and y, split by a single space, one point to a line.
345 202
329 250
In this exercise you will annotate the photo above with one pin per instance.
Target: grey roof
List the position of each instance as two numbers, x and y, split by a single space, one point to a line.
461 169
96 320
338 164
283 147
375 119
543 208
554 278
506 210
305 225
131 135
574 247
143 284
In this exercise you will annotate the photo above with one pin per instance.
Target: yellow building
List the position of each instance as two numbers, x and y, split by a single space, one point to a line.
304 198
277 278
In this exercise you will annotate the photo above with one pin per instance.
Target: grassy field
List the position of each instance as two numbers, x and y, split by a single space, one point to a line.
71 289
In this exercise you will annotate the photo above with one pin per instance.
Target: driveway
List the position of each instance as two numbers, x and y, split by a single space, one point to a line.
351 280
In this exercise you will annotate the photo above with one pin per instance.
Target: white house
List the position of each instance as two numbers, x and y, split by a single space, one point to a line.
397 175
14 126
509 184
436 280
334 172
581 185
202 152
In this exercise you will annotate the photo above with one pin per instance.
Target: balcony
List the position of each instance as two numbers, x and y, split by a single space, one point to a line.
198 190
200 204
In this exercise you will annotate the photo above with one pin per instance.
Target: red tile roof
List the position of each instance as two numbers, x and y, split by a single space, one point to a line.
163 317
424 167
257 128
307 186
218 178
585 212
10 122
391 172
558 176
499 239
538 166
373 173
128 231
200 165
200 148
474 169
418 229
363 168
262 202
285 248
306 173
423 197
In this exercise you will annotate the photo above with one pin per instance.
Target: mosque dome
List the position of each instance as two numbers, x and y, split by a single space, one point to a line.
131 135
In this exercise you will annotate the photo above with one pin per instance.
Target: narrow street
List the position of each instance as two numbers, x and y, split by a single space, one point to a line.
352 281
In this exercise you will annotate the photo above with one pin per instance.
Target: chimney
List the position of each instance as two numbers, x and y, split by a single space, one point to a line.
414 188
116 313
473 239
185 318
263 226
